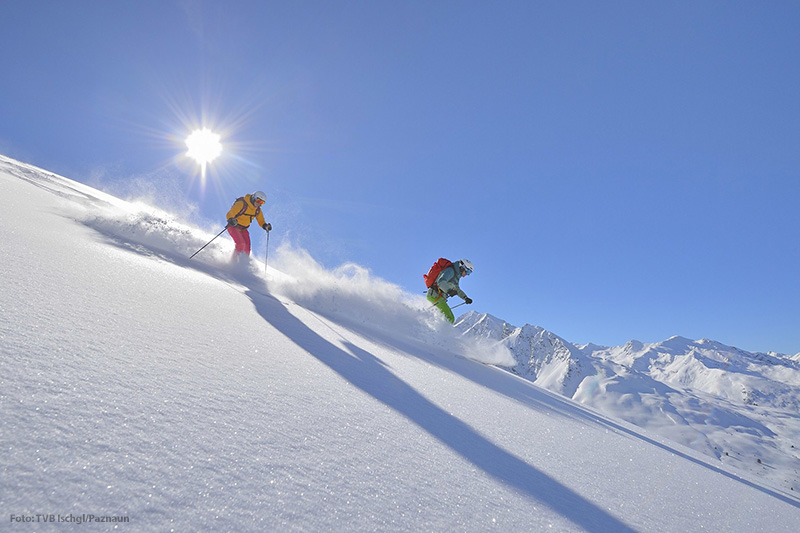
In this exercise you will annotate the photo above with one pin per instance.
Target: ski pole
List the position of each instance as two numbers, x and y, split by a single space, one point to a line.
266 257
437 303
209 242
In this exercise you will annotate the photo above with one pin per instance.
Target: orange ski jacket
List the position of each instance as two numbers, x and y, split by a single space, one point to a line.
244 211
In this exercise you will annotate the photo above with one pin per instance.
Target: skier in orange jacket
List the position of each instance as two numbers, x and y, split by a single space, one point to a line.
241 215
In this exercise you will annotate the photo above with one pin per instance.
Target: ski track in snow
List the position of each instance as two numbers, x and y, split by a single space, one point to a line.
192 395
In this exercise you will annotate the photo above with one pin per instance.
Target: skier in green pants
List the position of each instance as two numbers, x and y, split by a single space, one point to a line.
446 285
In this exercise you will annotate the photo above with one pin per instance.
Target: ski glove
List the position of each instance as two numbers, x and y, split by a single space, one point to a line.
467 300
232 222
267 226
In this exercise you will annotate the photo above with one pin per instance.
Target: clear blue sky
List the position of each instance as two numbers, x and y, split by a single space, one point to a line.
614 170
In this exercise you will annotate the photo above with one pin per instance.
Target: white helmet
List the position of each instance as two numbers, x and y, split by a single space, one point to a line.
259 195
466 264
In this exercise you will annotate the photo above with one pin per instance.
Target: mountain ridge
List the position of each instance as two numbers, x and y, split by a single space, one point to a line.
730 404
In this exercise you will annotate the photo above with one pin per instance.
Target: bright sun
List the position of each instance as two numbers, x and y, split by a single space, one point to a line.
204 146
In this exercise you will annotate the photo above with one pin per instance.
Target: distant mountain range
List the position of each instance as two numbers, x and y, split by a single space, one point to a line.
737 406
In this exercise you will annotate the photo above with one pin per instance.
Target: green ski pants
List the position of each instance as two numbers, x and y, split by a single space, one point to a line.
441 304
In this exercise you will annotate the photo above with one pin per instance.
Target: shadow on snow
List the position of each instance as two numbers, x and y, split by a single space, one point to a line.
366 372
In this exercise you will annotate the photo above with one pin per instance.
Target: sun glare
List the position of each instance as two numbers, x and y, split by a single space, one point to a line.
204 146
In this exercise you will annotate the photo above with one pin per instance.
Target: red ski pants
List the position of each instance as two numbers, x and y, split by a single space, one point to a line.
242 239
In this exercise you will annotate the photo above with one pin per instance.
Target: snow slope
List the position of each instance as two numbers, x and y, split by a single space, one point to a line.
739 408
192 396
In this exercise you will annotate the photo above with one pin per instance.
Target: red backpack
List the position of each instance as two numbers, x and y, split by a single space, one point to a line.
436 269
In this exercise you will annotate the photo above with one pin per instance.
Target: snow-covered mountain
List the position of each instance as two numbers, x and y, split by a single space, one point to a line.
196 395
541 356
737 407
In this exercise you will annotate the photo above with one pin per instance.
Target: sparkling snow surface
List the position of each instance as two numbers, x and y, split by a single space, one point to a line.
192 395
